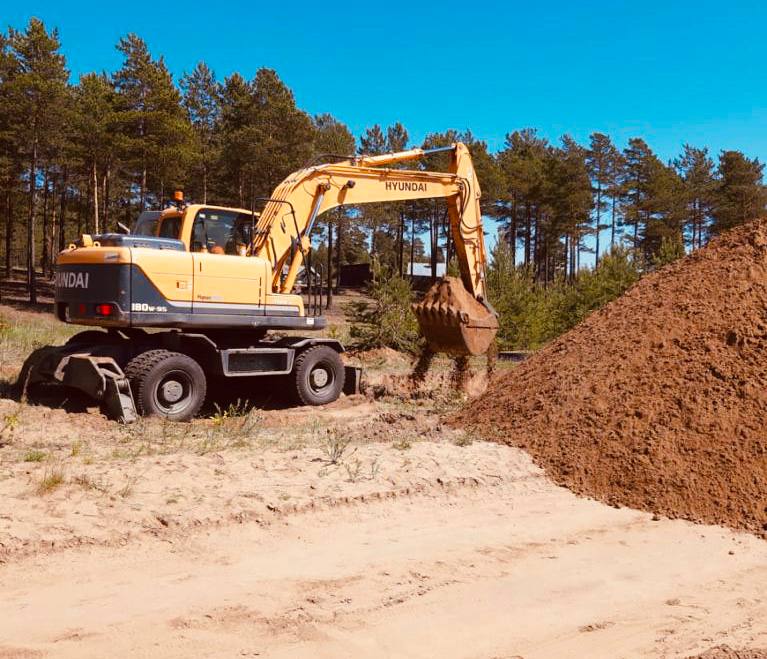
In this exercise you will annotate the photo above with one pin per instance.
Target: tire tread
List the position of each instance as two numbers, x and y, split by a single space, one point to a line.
138 368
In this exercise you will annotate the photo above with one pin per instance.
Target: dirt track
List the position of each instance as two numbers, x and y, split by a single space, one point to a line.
513 566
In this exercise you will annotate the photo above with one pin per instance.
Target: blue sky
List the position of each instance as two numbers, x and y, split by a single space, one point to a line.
668 71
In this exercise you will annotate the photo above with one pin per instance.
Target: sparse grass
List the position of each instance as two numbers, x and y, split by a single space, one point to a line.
35 455
10 424
126 490
402 444
21 334
334 445
52 479
353 470
464 439
87 482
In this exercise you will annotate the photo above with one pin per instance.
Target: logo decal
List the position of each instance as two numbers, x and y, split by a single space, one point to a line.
143 306
72 279
403 186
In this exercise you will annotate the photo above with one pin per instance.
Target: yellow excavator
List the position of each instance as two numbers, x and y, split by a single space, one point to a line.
209 282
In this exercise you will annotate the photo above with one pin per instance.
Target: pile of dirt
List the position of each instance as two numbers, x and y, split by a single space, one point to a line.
659 400
726 652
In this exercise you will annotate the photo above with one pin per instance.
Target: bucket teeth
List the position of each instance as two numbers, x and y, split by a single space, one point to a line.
452 321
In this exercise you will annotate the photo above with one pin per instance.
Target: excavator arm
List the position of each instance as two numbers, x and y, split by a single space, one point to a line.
284 227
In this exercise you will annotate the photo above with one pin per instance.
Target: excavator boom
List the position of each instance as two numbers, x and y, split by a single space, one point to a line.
454 316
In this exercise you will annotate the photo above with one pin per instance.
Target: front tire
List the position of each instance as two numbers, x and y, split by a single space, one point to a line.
318 374
167 384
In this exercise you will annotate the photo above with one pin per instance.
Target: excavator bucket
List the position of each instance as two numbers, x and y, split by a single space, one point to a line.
453 321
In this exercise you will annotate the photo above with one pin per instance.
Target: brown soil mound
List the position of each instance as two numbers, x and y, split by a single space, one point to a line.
726 652
659 400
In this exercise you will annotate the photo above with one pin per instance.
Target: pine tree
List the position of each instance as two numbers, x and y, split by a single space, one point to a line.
697 171
280 135
382 220
10 164
740 195
333 139
602 160
570 202
37 91
235 111
92 135
156 135
523 164
202 101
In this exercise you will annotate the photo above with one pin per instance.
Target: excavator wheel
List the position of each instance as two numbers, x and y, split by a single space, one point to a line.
453 321
166 383
318 374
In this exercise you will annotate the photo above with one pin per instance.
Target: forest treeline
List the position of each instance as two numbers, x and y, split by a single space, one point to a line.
81 157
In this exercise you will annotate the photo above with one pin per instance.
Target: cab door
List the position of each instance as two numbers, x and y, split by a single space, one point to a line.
225 284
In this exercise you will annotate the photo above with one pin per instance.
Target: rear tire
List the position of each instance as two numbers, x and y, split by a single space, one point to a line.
318 374
167 384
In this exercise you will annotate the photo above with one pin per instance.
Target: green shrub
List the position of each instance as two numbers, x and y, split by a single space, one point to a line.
670 250
532 314
387 321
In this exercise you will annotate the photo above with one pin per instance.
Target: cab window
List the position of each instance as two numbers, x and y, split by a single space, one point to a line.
146 224
221 232
170 228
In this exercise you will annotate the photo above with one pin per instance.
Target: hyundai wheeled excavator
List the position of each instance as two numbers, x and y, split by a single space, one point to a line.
188 296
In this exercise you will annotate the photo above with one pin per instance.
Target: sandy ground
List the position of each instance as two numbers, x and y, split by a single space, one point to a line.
363 529
503 565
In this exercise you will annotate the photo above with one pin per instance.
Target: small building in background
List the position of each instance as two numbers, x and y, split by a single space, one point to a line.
357 275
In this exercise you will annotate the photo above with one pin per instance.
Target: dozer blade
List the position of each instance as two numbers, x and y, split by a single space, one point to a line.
453 321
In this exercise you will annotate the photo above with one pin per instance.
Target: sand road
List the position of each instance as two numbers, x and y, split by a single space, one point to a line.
520 568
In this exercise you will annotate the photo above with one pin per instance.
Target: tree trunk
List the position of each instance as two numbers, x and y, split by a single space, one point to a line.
88 213
50 236
205 188
143 184
330 262
31 280
401 239
612 225
536 246
339 239
95 185
528 232
105 201
636 233
599 223
448 239
8 230
412 244
63 211
433 229
44 256
80 223
513 231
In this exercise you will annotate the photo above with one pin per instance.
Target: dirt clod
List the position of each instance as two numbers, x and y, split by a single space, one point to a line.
658 401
